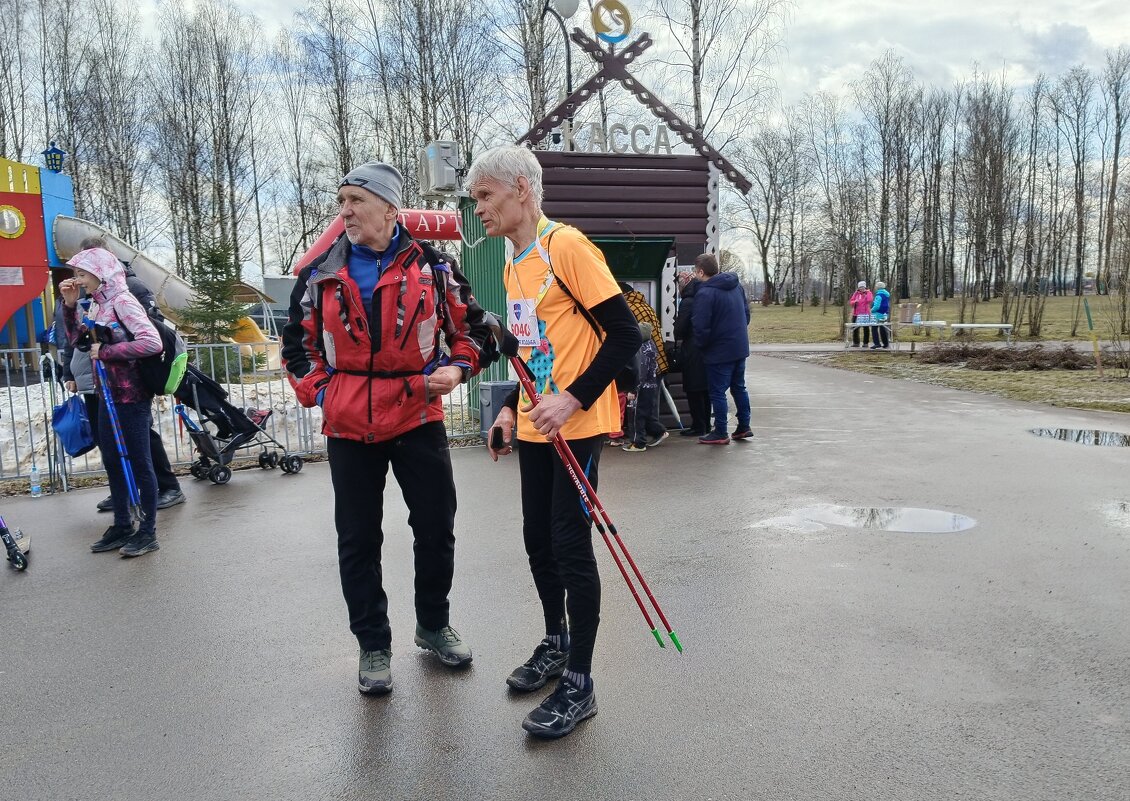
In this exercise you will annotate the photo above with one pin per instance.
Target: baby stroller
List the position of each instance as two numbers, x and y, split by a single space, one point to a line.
232 430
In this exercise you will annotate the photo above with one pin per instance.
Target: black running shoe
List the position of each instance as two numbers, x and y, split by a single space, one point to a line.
560 713
546 663
138 545
114 538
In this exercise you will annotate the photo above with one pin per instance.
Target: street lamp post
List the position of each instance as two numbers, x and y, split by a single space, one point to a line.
561 11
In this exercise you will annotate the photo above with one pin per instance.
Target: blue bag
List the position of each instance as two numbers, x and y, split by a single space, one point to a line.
73 426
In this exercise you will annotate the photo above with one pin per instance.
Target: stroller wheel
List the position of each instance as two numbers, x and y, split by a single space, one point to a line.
220 474
295 464
264 461
198 471
273 459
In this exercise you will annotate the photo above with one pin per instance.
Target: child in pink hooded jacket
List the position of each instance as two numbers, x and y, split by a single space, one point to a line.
860 303
133 338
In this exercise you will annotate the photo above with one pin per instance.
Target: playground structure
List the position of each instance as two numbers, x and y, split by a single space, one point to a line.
39 232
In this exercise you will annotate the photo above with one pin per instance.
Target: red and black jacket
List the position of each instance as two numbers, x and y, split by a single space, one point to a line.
373 367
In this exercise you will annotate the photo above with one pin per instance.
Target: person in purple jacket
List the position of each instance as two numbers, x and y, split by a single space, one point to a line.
99 272
720 322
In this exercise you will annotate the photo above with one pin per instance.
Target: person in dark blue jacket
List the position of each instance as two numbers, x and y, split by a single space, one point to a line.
721 331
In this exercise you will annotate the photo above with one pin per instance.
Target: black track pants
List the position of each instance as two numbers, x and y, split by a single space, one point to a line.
558 537
421 464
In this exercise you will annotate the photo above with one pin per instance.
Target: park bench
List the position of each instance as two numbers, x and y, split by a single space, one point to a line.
849 327
1005 327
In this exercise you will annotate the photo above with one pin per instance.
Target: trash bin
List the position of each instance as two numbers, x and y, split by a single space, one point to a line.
491 396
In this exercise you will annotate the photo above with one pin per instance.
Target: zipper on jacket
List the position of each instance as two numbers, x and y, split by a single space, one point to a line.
400 307
343 312
415 314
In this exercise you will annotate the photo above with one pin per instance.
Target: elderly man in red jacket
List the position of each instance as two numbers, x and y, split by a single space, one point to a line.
364 343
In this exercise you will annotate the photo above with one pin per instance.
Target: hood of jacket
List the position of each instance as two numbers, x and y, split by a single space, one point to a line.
726 282
106 266
883 292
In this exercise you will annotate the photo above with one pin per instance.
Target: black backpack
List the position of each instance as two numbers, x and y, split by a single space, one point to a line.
162 372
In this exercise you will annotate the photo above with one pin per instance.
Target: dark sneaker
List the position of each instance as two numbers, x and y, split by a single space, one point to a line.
659 440
114 538
106 504
743 432
446 644
691 432
714 438
139 544
169 498
374 672
546 663
560 713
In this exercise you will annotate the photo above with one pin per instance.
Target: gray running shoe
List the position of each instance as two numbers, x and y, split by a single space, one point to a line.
546 663
446 644
374 673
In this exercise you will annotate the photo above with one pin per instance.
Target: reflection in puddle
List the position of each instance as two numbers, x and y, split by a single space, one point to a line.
906 520
1118 513
1085 436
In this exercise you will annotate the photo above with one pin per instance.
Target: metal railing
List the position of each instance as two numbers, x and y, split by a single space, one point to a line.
249 373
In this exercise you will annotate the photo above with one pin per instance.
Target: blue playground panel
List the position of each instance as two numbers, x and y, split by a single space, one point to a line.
58 198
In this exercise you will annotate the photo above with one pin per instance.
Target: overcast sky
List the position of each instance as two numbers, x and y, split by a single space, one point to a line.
832 42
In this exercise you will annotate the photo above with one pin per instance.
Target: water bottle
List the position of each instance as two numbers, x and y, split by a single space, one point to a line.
917 318
36 489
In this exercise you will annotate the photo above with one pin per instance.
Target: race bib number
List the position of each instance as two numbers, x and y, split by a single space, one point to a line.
522 318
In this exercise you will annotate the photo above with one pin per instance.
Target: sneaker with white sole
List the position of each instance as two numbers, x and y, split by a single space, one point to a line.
658 440
374 672
446 644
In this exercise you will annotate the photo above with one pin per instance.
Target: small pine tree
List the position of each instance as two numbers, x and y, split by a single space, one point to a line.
214 314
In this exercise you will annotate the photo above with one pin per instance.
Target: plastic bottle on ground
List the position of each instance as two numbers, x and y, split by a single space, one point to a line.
36 488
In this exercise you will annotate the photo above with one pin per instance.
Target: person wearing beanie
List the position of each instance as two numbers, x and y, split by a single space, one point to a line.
369 323
860 304
880 313
647 431
576 333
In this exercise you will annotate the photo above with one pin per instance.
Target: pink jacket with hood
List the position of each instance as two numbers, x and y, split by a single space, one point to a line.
861 301
114 303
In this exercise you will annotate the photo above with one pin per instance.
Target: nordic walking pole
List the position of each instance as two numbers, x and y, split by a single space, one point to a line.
590 500
119 440
1094 338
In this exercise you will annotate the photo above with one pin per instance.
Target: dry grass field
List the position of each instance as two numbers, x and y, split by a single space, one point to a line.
1078 388
772 324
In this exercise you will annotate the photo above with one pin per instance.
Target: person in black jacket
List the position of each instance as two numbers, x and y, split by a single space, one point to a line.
721 331
690 360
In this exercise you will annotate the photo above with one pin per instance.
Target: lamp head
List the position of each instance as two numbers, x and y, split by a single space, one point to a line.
566 8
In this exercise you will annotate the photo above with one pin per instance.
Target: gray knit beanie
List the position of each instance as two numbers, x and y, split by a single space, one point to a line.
383 180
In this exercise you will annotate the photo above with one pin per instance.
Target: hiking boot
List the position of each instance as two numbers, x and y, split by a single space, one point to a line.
546 663
106 504
632 447
560 713
139 544
743 432
374 672
659 440
714 438
114 538
167 498
446 644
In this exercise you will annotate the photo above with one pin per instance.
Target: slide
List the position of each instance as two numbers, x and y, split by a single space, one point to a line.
172 291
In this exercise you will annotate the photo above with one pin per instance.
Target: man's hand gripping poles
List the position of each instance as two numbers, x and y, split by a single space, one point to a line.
508 346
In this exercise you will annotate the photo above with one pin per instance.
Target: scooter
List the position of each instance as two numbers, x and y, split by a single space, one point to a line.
17 546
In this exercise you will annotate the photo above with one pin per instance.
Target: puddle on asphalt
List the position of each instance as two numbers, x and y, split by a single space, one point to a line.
1085 436
889 518
1118 513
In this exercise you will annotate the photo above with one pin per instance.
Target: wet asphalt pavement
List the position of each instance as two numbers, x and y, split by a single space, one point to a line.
821 662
